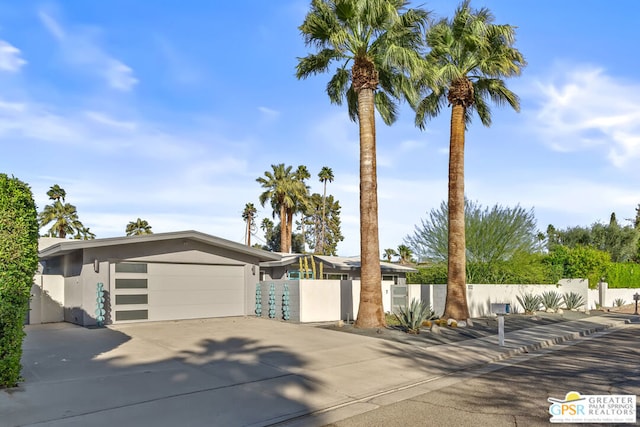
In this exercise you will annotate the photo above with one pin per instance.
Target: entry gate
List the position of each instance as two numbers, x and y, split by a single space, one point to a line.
399 297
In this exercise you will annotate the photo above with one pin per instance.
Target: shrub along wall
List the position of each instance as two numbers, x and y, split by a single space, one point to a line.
623 275
18 263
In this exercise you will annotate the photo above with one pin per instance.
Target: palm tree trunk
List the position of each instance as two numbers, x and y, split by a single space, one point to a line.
456 302
289 229
283 229
249 220
370 312
324 216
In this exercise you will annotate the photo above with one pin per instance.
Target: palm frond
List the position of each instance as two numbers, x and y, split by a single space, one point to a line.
387 108
338 86
315 64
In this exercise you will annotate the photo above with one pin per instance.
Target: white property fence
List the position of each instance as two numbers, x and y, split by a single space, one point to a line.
332 300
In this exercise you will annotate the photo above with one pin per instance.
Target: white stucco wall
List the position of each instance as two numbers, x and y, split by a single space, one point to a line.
319 300
480 297
47 299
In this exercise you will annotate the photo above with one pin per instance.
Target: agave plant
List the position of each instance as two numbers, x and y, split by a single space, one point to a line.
530 302
618 302
411 317
573 300
551 300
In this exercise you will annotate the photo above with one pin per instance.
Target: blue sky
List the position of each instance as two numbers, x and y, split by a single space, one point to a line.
169 111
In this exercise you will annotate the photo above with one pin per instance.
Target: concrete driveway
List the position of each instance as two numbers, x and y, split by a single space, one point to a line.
231 371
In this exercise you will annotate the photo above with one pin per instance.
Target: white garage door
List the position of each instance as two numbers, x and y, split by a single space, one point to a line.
177 291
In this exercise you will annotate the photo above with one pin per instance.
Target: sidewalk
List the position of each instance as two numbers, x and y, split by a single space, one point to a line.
237 371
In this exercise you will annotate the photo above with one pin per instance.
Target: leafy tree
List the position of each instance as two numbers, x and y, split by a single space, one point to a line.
321 224
325 175
469 56
621 242
138 228
492 234
284 191
64 217
273 241
18 263
390 253
249 215
380 40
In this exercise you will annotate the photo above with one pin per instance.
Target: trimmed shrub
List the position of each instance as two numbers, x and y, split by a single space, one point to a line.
623 275
18 263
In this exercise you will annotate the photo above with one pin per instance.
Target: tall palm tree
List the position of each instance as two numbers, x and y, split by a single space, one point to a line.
138 228
282 190
469 56
64 217
389 253
375 43
326 174
248 215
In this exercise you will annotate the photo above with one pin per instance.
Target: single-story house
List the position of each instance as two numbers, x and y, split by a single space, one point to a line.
164 276
298 266
171 276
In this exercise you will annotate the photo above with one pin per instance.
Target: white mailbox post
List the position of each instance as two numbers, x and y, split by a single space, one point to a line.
501 310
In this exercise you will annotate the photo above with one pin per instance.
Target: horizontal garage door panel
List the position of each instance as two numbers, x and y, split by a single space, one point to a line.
195 297
190 291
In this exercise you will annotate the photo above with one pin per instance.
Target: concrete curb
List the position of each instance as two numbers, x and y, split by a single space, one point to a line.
360 405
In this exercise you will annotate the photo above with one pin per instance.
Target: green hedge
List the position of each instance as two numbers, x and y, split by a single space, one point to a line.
18 263
623 275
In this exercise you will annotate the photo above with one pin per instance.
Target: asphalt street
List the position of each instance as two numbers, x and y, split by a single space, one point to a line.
514 392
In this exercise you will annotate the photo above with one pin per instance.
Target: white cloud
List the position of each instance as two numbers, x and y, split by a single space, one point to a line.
120 76
589 109
80 49
10 59
269 113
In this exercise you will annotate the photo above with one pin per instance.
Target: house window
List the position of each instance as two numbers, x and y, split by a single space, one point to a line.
132 315
131 267
390 278
132 299
131 283
335 276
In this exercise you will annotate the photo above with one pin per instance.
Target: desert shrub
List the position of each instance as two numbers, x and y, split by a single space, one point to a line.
551 300
530 302
412 317
573 300
18 262
618 302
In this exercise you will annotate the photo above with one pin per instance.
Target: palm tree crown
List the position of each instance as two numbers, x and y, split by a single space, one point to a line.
249 215
284 191
138 228
469 57
380 40
64 217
